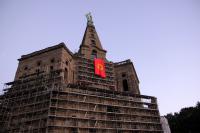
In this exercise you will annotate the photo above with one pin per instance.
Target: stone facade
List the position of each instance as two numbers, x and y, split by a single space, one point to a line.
126 77
47 60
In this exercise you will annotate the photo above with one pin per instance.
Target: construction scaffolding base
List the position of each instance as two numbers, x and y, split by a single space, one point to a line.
43 104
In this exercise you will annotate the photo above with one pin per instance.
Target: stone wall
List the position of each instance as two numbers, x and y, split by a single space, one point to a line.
126 77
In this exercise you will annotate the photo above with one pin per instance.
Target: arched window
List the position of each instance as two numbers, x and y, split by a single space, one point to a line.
125 85
94 54
66 75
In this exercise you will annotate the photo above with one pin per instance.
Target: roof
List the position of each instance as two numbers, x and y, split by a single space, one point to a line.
91 34
60 45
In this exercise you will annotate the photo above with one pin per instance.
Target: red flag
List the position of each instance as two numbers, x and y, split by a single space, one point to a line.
99 67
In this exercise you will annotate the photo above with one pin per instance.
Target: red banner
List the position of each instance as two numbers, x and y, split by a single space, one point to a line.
100 67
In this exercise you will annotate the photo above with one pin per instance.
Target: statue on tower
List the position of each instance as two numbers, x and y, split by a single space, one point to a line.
89 18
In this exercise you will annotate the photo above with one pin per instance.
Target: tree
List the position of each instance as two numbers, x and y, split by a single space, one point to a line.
186 121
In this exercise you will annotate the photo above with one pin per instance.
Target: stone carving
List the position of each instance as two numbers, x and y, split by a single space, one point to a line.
89 18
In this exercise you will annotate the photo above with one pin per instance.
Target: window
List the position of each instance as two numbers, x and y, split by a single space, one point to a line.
51 68
123 74
39 63
52 60
125 85
92 130
25 68
66 62
66 74
94 54
74 130
93 42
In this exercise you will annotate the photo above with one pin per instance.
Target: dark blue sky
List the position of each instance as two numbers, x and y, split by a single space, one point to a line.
161 37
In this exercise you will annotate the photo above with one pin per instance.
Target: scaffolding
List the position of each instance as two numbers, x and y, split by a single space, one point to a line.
90 110
44 103
25 103
85 74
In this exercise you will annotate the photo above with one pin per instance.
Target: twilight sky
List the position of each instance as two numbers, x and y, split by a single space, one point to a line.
161 37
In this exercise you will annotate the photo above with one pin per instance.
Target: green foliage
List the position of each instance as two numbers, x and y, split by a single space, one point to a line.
186 121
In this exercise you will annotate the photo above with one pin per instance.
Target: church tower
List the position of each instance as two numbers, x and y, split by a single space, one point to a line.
90 50
91 46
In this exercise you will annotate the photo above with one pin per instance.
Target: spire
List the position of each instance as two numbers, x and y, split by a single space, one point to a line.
91 40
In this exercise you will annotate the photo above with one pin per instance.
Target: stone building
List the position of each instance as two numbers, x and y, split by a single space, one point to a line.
57 91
